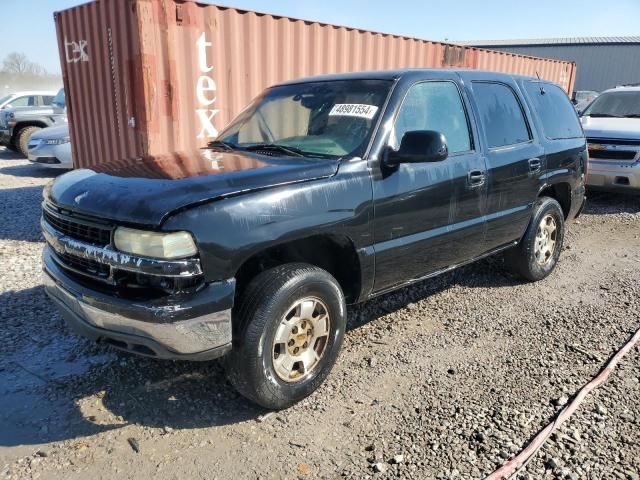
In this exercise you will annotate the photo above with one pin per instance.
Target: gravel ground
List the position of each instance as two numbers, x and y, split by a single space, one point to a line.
445 379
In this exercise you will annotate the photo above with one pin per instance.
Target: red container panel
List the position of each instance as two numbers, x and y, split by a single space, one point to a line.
153 77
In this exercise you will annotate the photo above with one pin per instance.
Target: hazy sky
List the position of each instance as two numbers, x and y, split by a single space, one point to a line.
27 25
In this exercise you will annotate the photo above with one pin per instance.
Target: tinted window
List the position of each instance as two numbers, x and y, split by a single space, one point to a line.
501 114
558 117
434 106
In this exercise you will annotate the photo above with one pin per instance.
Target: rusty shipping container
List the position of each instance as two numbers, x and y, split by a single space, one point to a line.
153 77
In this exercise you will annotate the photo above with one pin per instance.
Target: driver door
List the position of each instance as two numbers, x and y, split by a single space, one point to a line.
430 216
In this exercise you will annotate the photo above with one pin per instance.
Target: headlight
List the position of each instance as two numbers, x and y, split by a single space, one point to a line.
58 141
155 244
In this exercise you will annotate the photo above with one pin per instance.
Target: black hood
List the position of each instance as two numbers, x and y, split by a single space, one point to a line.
145 191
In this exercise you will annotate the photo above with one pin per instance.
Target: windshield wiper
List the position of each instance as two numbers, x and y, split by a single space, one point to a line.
632 115
602 115
220 143
292 151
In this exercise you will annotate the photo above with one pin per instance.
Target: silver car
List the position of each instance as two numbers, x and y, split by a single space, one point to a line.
51 147
612 127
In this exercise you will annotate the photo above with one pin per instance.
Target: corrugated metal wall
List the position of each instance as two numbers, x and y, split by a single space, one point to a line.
599 67
163 76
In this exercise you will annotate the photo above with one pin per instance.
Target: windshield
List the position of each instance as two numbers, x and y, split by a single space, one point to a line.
5 99
331 119
615 104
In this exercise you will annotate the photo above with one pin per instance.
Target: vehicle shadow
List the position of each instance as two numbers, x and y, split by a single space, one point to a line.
605 203
59 386
487 273
6 154
20 211
56 386
30 170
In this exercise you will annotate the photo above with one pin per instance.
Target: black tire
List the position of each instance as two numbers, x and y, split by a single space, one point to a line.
22 139
250 365
522 258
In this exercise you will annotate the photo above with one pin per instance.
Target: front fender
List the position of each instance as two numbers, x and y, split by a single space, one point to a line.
231 230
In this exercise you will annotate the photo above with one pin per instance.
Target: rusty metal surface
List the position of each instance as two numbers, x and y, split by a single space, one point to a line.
151 77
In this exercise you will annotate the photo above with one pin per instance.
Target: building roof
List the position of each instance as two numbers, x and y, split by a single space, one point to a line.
552 41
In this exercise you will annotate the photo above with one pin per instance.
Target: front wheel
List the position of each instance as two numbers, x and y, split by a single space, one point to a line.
23 137
535 257
289 329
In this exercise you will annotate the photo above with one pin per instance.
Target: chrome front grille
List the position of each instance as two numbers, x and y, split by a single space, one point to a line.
614 149
84 230
84 266
78 229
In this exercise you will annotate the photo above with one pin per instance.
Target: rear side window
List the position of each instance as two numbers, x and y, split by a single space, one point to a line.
47 99
558 117
501 114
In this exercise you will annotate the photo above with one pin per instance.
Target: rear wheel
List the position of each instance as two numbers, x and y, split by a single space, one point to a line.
22 139
535 257
290 327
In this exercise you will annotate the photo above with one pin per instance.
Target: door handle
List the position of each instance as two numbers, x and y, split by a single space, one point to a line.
476 178
535 164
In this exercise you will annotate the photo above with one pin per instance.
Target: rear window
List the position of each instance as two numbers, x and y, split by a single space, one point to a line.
501 114
558 117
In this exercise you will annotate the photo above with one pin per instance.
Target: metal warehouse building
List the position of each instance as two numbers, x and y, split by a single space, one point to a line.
603 62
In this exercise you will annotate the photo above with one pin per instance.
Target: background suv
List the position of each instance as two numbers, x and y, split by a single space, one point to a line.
612 126
17 124
27 99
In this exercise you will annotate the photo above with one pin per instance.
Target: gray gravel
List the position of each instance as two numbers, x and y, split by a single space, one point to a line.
445 379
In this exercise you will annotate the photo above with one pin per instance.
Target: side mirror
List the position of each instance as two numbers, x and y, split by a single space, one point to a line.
8 105
419 146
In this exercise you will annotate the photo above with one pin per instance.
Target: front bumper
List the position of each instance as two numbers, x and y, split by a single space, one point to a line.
614 175
195 327
52 156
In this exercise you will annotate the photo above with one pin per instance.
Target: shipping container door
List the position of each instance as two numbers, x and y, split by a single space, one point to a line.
97 43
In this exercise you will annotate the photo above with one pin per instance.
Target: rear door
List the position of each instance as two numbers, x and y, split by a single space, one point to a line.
515 157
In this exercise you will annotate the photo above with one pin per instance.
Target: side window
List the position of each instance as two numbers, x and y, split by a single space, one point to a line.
558 117
501 114
47 99
434 106
24 101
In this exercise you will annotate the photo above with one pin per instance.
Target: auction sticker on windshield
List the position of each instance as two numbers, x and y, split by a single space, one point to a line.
353 110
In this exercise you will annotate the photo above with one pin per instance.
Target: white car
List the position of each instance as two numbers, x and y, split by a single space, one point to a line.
612 127
51 147
27 99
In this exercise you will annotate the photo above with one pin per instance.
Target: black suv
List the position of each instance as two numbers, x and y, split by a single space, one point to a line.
322 192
